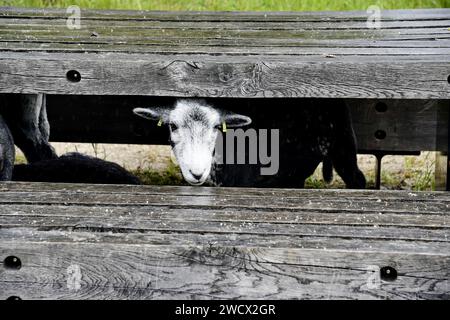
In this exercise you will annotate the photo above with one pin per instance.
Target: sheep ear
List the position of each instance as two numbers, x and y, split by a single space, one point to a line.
234 120
152 113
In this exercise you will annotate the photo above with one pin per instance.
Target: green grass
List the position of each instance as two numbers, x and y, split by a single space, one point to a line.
420 172
20 159
170 176
230 5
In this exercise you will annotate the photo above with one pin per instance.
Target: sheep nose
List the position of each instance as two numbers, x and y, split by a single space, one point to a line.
196 176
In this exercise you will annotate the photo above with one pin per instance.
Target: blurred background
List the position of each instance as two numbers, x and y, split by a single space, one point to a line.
214 5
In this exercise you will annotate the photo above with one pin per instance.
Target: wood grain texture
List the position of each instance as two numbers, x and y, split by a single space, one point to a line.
217 272
144 242
423 124
235 78
330 54
388 15
208 192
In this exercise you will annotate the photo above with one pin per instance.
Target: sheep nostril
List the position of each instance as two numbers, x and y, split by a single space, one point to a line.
196 176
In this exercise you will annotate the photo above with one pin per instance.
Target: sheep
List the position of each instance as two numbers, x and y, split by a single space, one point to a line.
26 117
193 128
29 129
7 152
74 168
311 133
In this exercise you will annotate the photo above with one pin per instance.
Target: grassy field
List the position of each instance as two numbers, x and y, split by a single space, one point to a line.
230 5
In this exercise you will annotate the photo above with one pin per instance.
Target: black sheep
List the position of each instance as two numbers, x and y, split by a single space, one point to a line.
26 117
74 168
311 131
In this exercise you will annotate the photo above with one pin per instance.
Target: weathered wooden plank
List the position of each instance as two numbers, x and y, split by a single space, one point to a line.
225 202
48 42
422 123
338 216
115 25
119 213
435 42
235 38
270 31
142 221
126 222
175 238
229 77
74 56
312 194
298 229
215 31
93 33
64 271
117 252
222 201
170 49
418 14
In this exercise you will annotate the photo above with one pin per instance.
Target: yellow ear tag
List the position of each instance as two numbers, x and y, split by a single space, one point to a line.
224 126
159 123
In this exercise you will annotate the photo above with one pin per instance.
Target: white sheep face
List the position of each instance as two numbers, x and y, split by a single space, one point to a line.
194 128
193 134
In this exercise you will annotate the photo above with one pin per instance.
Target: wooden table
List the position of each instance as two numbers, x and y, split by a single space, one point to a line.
118 60
142 242
81 241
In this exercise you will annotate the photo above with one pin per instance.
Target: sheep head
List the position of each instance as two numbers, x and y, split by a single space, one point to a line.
194 126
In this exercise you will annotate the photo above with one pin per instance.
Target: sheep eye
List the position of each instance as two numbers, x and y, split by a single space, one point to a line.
218 127
173 126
